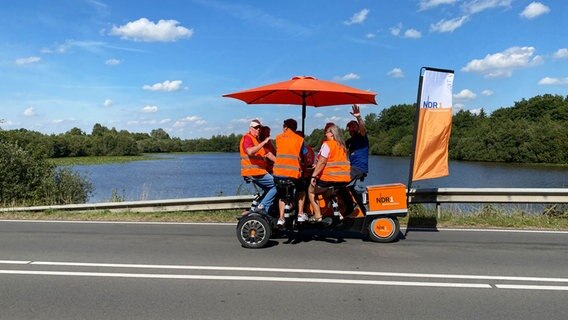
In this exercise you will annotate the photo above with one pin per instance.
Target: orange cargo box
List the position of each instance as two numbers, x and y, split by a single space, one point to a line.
387 198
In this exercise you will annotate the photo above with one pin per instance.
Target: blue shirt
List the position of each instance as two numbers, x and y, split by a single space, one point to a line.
358 146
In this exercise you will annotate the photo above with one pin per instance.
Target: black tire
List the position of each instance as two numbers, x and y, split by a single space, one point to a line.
254 232
384 229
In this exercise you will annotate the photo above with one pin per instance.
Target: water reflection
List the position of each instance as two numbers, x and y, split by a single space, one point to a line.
204 175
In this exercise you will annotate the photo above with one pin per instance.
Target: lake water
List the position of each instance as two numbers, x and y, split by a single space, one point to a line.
204 175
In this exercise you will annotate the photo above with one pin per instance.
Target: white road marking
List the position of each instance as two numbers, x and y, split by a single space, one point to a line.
286 278
310 271
14 262
496 230
531 287
245 278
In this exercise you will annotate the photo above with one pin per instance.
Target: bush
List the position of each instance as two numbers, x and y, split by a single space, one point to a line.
30 180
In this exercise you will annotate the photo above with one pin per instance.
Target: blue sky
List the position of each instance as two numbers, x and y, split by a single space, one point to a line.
142 65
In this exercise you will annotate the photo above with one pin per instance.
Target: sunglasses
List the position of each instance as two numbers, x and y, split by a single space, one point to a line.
257 127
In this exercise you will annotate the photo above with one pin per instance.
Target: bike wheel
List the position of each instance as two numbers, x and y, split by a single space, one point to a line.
384 229
253 232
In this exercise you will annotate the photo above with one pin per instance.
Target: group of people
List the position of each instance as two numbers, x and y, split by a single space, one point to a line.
337 163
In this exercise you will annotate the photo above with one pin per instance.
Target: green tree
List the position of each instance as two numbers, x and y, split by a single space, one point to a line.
26 179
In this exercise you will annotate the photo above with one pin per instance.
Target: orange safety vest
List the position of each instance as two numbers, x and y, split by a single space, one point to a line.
254 165
337 167
288 149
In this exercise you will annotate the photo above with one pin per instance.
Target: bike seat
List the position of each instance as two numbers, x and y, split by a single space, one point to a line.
360 177
285 182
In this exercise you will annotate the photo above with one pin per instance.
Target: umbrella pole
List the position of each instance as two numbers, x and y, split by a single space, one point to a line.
303 117
303 111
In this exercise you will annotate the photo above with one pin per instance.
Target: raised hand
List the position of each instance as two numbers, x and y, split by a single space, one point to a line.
356 112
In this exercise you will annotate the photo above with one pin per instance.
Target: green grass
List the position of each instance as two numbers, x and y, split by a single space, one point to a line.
513 221
418 217
93 160
107 215
72 161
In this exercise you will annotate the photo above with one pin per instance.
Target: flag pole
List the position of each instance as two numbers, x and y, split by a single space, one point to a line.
416 116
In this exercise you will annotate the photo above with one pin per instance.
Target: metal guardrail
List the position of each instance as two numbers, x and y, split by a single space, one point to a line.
489 195
435 195
188 204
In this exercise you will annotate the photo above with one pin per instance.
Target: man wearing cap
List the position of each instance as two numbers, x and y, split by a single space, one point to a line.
358 146
253 164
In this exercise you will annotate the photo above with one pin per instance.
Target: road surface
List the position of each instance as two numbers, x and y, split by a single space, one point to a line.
84 270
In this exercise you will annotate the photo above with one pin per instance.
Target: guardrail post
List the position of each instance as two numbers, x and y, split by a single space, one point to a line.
438 210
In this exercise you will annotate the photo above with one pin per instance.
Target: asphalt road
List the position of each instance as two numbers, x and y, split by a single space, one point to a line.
64 270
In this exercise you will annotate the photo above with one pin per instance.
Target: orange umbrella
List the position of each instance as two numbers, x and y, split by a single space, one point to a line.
305 91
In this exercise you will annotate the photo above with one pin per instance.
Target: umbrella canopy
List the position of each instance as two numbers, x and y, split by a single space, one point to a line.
305 91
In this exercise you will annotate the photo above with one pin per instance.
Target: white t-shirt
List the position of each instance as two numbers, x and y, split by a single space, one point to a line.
324 150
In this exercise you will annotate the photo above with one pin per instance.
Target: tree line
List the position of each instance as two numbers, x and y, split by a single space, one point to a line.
531 131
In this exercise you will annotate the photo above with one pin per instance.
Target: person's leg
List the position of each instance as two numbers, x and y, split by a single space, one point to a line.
301 201
281 206
345 196
315 205
266 182
357 176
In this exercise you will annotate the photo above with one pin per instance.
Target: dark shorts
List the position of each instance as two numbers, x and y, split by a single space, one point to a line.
286 185
329 184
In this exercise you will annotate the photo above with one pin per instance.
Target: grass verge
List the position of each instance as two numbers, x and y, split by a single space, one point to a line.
417 218
92 160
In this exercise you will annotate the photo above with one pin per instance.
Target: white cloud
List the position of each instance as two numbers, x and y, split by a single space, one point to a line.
60 48
347 77
370 35
107 103
90 46
533 10
7 123
548 81
112 62
465 94
448 25
148 31
28 60
150 109
502 64
561 53
476 111
395 31
396 73
412 34
335 119
144 122
409 33
167 85
319 115
476 6
193 120
457 107
429 4
358 17
29 112
487 92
